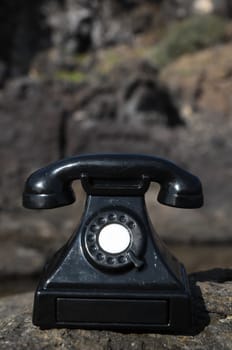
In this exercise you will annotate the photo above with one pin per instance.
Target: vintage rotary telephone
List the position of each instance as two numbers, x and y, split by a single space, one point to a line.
114 272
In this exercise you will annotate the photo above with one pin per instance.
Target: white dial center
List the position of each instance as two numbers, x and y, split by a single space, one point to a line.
114 238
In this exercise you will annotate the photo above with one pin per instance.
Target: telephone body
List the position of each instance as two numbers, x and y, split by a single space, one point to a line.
114 272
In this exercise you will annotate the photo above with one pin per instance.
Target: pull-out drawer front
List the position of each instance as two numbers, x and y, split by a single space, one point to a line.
73 310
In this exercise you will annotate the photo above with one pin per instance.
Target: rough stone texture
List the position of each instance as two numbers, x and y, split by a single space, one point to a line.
203 87
29 135
42 121
200 142
57 29
127 109
212 329
62 28
203 80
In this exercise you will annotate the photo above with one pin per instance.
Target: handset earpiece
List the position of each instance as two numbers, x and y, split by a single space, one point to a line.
44 190
181 190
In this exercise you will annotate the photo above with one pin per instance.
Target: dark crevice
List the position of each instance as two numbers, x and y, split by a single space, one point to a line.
218 275
62 134
153 97
198 91
24 33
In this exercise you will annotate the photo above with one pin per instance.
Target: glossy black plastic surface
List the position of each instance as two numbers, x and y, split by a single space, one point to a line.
112 174
141 288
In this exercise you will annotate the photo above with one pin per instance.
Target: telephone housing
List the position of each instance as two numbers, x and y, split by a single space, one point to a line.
142 287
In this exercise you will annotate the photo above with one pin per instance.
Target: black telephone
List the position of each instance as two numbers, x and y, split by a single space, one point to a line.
114 272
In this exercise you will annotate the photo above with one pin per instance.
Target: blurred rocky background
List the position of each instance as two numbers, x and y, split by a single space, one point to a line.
80 76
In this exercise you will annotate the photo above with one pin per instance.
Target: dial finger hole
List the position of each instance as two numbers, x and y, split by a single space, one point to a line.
122 218
131 224
110 260
100 256
122 259
101 221
91 238
93 228
93 248
112 217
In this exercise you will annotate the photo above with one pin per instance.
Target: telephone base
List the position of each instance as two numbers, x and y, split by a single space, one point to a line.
169 312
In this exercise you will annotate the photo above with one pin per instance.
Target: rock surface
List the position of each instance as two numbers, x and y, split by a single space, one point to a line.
81 76
212 296
57 29
55 119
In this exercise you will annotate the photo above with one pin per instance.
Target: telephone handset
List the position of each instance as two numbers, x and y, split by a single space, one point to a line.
50 187
115 263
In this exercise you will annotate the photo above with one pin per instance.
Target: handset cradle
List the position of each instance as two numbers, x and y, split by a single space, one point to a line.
114 273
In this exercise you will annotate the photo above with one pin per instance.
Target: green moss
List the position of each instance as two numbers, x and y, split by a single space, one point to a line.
110 59
188 36
72 76
81 58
